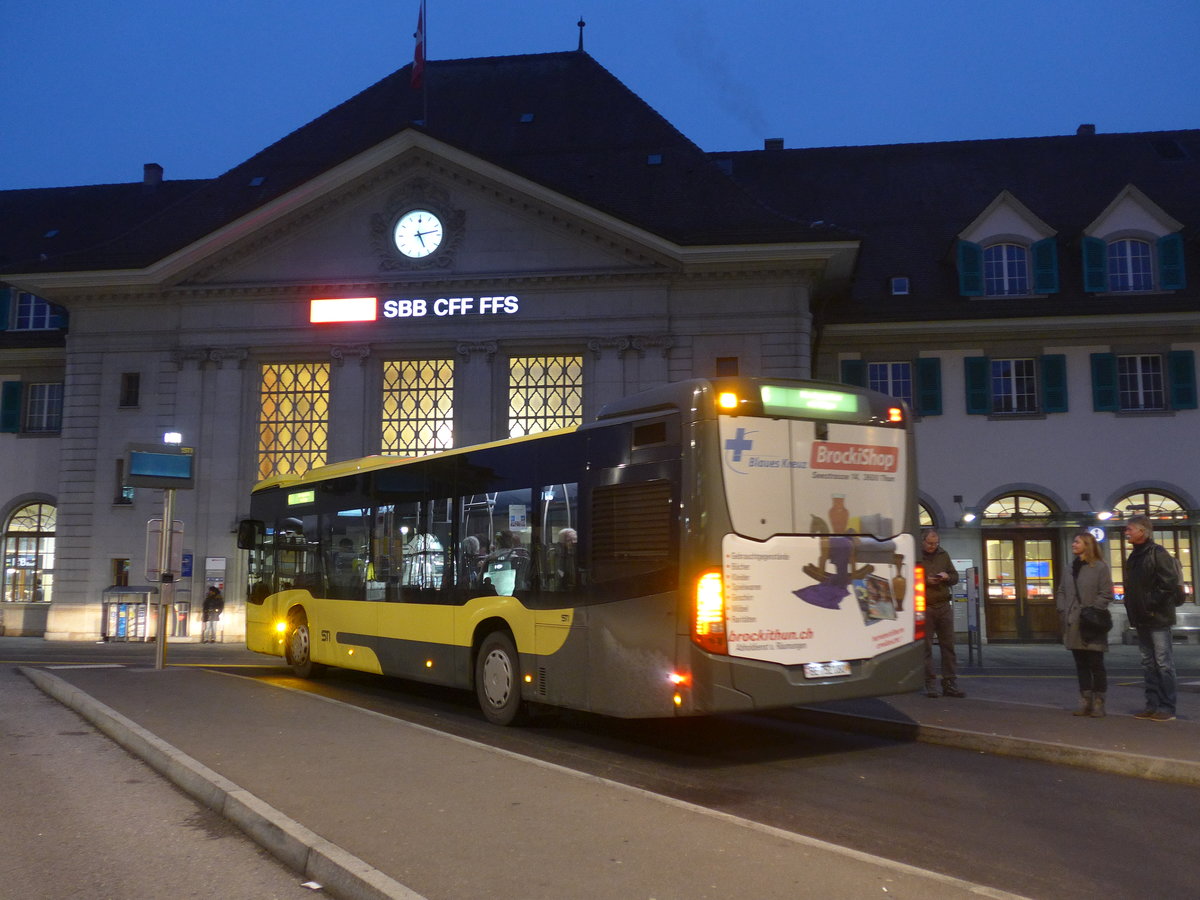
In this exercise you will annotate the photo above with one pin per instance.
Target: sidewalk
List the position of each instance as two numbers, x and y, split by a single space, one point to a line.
373 807
1019 703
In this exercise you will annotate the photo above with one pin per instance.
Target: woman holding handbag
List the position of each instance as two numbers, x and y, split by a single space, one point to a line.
1082 599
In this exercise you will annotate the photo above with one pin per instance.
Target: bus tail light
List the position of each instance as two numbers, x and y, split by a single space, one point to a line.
918 603
708 623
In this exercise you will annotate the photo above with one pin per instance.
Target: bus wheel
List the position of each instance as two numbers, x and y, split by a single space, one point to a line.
299 649
497 682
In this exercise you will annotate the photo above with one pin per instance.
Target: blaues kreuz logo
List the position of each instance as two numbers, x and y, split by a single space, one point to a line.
734 448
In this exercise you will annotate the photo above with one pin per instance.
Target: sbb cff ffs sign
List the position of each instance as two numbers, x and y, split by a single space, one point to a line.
164 466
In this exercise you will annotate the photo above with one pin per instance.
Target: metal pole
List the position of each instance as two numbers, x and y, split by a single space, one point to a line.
166 590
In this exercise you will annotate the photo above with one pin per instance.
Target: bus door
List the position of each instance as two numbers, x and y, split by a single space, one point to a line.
414 566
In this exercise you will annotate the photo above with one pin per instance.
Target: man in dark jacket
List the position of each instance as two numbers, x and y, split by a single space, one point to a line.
1150 583
940 574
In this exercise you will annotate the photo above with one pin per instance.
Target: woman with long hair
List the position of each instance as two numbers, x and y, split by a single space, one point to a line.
1089 583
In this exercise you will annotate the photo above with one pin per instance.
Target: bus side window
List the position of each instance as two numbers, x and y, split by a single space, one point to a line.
558 560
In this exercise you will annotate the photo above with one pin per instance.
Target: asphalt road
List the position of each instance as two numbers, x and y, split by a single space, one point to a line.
1027 827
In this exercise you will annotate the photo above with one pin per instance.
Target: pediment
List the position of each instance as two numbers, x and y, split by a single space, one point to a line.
1006 217
495 224
1132 212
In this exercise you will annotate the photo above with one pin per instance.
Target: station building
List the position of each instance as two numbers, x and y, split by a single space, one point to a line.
526 240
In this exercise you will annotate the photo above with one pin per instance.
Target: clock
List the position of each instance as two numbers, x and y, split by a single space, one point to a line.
418 233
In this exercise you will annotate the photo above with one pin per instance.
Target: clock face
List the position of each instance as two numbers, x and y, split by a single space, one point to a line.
418 233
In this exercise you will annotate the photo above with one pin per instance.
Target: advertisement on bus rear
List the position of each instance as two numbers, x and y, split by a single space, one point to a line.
816 570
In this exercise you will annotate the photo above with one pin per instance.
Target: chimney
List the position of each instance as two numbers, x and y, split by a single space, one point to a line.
1085 129
152 175
773 144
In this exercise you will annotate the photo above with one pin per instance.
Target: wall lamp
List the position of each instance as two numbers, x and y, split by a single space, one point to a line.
965 514
1102 514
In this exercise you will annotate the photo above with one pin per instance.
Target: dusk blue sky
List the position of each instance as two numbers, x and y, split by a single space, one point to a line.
92 89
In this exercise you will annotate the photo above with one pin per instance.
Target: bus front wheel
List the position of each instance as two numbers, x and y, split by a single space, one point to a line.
497 679
299 649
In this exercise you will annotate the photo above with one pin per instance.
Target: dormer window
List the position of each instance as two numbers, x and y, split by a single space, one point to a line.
1129 267
1134 245
1005 270
1008 251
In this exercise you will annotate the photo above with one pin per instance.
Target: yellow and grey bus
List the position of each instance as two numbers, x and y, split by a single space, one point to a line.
705 547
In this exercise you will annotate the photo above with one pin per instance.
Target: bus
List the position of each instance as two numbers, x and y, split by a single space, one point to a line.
710 546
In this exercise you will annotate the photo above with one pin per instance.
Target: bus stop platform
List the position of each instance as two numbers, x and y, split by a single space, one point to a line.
372 807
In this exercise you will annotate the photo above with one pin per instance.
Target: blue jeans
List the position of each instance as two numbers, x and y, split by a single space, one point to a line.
1158 667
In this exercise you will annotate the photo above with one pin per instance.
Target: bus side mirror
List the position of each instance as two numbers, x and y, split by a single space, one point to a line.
250 534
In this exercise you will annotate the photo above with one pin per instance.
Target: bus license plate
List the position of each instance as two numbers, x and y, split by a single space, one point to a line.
830 669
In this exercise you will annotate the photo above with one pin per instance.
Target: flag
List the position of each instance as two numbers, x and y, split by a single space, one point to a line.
418 66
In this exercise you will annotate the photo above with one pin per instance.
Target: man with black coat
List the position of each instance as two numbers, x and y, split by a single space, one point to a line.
1150 585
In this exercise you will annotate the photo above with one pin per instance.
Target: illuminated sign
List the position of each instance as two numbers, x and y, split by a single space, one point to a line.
782 401
296 498
369 309
342 309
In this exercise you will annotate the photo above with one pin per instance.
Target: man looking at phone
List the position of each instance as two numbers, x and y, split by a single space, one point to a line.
940 575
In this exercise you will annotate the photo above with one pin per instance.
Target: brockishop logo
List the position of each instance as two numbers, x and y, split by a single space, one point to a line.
854 457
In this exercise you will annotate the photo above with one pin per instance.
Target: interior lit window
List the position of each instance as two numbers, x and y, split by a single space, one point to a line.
418 406
293 419
28 574
544 392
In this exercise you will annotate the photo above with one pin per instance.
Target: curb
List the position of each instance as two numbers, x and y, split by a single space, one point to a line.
1112 762
341 874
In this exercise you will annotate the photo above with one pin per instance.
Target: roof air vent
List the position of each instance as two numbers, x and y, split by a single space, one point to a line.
1085 129
773 144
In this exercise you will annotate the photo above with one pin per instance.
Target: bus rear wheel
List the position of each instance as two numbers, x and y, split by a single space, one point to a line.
299 649
497 679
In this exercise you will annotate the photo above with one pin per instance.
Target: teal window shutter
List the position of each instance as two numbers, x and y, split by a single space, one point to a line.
58 317
854 371
1172 275
1181 370
1095 265
928 396
979 396
5 307
1054 383
1045 266
970 269
1104 382
10 407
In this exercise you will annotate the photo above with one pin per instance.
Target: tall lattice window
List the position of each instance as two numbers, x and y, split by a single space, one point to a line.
293 418
418 406
544 392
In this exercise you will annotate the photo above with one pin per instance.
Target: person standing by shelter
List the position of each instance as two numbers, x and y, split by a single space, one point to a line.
940 575
1088 586
1150 585
214 605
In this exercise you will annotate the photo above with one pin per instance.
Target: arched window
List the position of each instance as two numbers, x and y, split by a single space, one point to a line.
1005 270
29 554
1129 266
924 516
1017 509
1170 530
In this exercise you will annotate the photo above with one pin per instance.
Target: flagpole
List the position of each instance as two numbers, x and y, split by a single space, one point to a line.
424 56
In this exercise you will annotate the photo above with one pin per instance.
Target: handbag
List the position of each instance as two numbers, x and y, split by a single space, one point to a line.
1094 623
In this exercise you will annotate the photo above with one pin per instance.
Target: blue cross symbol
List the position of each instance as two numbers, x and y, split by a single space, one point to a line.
738 443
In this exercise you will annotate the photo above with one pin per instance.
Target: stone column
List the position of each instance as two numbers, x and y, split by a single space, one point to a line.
352 419
475 395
